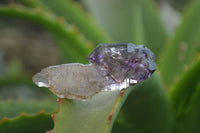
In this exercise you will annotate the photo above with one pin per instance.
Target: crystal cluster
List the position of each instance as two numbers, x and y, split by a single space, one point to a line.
113 67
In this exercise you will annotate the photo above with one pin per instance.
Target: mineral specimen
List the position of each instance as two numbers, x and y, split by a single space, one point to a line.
113 67
72 80
124 61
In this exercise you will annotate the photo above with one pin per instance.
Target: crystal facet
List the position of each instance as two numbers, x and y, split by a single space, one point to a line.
113 67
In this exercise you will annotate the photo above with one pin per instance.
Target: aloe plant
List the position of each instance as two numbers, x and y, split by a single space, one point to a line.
168 102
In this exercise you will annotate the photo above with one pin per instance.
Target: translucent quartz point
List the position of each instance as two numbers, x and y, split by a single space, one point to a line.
123 61
113 67
75 81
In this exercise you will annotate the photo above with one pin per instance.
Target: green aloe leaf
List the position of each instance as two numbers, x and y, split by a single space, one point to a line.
183 48
17 96
76 47
189 122
28 3
89 116
185 100
73 14
126 20
27 124
146 109
11 109
183 91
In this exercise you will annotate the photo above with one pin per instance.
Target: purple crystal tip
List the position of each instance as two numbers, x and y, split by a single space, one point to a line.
123 61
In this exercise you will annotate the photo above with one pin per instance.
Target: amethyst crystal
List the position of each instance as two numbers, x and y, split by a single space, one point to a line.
113 67
123 61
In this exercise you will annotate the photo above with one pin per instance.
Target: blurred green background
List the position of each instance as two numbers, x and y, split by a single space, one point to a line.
35 34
